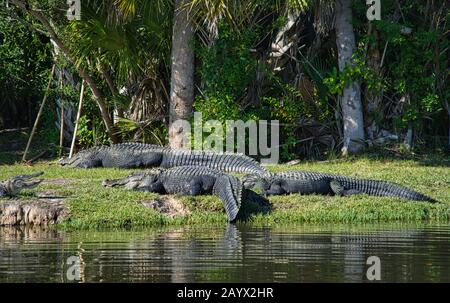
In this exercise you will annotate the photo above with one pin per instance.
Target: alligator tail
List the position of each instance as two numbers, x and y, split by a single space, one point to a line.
229 190
382 188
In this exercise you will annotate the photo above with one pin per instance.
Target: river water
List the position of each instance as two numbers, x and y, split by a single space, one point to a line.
233 253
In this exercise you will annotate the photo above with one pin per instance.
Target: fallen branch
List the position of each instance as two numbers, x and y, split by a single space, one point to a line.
37 157
13 130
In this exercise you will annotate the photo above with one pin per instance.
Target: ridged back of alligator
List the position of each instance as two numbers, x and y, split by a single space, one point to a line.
189 171
228 162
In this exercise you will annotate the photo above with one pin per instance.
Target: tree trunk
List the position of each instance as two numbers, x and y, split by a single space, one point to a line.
373 97
182 77
350 100
447 108
83 73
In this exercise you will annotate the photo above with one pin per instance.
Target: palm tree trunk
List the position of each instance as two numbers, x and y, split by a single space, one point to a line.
182 77
24 6
350 100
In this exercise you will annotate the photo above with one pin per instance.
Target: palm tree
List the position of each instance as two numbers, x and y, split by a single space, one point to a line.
126 43
182 78
187 16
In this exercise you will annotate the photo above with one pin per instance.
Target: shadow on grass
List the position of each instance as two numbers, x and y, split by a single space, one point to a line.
253 204
12 147
8 158
37 154
432 158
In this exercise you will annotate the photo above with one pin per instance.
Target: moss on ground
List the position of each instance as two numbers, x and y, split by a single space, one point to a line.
92 206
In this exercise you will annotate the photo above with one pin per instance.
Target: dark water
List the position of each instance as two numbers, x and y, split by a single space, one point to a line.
299 253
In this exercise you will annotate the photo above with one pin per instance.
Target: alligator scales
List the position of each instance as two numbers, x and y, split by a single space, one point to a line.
133 155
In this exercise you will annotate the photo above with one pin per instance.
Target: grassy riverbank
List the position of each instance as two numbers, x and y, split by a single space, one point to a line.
92 206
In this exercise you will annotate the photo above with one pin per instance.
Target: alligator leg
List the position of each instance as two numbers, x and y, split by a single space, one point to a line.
115 182
13 186
142 181
339 190
275 189
186 188
83 163
154 187
194 188
131 179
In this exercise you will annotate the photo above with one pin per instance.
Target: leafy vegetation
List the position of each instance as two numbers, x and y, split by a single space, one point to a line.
253 60
25 61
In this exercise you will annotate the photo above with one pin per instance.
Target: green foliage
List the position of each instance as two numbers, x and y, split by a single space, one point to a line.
357 71
85 135
91 132
24 69
287 111
132 40
414 74
412 38
47 129
130 36
153 132
227 70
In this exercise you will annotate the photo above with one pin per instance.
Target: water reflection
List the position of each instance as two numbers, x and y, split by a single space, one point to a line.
242 253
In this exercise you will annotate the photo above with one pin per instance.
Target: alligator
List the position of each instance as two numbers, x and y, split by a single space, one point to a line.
307 182
136 155
12 186
187 180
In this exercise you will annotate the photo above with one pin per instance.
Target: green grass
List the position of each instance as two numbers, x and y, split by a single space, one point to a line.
92 206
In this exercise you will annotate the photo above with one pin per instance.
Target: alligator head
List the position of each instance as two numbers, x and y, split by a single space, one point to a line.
13 186
257 182
84 159
135 180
